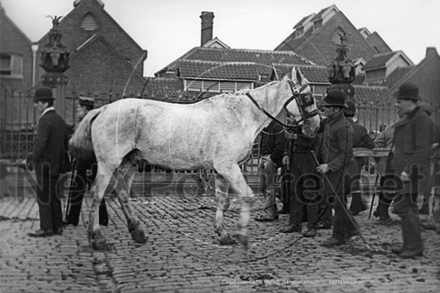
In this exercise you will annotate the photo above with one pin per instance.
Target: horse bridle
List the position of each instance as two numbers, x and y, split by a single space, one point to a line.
296 95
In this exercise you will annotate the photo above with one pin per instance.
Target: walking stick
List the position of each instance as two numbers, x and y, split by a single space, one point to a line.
374 195
343 206
72 178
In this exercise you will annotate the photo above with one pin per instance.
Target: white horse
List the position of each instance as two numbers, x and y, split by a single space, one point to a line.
217 133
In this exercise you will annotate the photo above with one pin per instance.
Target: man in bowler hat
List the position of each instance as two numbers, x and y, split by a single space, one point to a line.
48 155
410 162
338 165
81 180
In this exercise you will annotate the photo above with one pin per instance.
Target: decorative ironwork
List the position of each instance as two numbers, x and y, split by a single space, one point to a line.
342 70
54 55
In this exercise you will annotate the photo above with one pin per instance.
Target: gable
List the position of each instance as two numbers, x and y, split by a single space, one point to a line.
319 45
88 18
105 68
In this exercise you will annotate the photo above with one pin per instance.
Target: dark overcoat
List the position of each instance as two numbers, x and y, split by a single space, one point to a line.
272 142
50 144
336 150
412 147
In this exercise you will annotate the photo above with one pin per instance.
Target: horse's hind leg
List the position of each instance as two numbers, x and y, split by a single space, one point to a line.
222 200
96 240
234 176
124 178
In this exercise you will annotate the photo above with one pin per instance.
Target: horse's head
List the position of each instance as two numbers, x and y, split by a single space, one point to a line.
302 106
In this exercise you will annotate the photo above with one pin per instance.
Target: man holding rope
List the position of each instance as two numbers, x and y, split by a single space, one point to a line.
337 163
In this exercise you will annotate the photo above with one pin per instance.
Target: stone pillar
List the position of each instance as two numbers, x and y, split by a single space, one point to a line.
55 61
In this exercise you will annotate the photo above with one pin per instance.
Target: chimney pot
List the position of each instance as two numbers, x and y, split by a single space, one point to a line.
207 26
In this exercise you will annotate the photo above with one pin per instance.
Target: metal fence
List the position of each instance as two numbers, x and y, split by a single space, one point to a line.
18 121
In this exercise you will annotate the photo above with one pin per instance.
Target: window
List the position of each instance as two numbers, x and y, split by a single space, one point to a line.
11 65
89 22
336 38
216 86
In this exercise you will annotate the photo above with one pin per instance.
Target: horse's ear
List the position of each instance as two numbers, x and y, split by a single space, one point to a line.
298 74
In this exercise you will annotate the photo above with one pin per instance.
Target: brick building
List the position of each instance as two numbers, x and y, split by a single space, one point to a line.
103 57
16 56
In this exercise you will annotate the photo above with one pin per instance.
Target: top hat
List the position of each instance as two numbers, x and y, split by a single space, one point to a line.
351 109
86 101
335 98
407 91
43 93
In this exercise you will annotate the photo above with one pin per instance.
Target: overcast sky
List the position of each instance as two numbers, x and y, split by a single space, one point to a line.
170 28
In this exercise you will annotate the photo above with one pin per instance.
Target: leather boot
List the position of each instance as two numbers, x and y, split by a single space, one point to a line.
291 229
309 233
332 241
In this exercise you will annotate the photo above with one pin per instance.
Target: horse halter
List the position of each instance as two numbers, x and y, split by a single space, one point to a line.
303 100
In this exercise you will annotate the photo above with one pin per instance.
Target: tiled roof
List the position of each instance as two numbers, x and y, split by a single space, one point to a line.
314 74
397 75
371 95
264 57
379 61
221 70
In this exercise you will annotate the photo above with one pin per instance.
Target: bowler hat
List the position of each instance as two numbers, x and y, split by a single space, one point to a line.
408 91
86 101
43 93
351 109
335 98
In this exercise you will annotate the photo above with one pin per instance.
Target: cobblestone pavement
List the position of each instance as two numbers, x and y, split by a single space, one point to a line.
182 255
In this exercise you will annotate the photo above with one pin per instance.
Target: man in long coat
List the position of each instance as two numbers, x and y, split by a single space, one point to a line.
338 165
410 162
48 155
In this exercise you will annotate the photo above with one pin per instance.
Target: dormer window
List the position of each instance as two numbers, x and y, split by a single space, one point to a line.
89 22
317 24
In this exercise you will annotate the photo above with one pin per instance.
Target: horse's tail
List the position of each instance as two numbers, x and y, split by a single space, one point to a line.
80 145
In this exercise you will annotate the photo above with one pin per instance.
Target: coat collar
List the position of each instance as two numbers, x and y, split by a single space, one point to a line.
416 112
47 110
339 116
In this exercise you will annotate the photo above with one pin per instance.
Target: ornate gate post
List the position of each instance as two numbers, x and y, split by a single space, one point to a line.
55 61
342 71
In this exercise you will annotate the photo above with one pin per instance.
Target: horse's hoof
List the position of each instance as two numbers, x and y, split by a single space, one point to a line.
100 245
227 240
138 235
243 240
97 241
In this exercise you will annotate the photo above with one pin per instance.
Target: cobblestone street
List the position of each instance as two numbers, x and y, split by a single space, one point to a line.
182 255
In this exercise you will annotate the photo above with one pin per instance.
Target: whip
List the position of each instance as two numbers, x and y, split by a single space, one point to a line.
341 203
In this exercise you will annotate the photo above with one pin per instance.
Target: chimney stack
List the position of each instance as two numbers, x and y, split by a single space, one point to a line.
430 51
207 27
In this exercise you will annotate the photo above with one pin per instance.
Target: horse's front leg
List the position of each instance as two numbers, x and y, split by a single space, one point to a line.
222 201
246 196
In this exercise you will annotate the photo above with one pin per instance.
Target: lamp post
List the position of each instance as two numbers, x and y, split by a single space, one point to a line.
342 71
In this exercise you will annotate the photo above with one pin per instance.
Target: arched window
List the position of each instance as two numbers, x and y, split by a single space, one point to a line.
336 38
89 22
